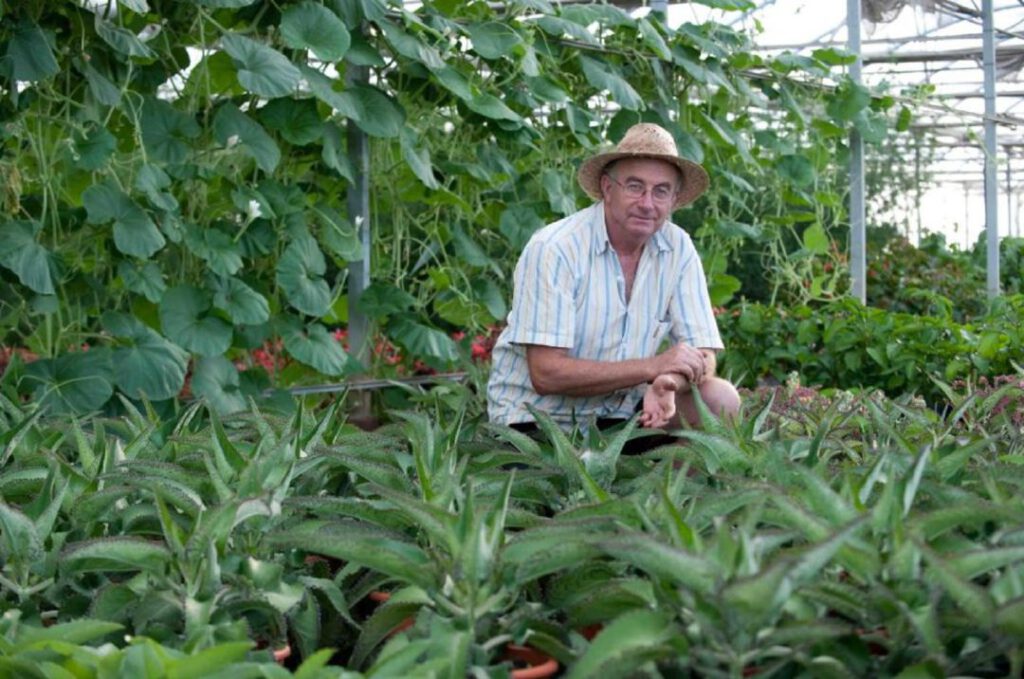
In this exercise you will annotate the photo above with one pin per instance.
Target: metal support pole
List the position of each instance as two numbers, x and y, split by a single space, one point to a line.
967 216
988 49
858 267
361 412
359 213
1009 194
917 186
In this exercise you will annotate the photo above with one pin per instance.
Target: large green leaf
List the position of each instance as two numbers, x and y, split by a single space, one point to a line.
316 28
22 254
19 540
214 74
411 46
798 169
215 379
115 554
383 299
490 106
262 70
29 56
77 382
312 345
362 544
337 233
493 39
186 320
143 278
418 158
122 40
377 114
422 340
322 87
145 364
300 274
626 644
230 4
334 153
218 249
297 120
847 101
134 232
93 147
104 91
602 78
244 305
231 127
664 561
166 131
74 632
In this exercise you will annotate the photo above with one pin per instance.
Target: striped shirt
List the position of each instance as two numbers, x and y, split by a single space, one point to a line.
569 292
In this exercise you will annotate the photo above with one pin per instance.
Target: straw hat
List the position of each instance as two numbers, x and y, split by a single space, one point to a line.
645 140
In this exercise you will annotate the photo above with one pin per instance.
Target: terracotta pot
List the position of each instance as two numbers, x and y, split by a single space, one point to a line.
538 665
591 631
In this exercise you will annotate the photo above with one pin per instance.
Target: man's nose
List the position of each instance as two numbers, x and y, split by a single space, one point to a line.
647 199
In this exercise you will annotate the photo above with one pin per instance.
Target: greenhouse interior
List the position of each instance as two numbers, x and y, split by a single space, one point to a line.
517 338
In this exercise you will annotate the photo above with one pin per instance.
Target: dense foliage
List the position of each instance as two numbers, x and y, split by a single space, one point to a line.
845 344
854 533
176 173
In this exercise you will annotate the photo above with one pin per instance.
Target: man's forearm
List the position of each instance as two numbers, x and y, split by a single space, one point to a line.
567 376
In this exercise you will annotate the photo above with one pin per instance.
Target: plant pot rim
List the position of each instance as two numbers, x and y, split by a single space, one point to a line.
541 664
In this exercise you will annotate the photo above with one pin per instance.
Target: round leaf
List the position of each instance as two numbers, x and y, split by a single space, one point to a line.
93 148
338 234
297 120
378 114
146 364
300 274
166 131
262 70
29 260
216 248
422 340
134 232
79 382
418 159
145 279
316 28
185 319
492 39
244 305
312 345
231 127
216 379
29 56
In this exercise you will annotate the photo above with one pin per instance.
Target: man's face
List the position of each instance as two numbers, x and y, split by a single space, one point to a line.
638 197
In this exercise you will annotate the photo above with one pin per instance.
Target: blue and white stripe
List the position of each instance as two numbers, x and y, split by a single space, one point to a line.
570 293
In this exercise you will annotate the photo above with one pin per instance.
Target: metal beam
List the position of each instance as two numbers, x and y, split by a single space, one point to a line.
948 55
359 212
858 238
991 188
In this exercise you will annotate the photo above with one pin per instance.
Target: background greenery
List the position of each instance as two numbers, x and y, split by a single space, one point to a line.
176 174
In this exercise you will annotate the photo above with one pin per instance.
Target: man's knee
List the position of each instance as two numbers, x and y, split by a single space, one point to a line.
721 397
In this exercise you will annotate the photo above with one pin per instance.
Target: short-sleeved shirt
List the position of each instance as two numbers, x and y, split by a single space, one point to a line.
569 292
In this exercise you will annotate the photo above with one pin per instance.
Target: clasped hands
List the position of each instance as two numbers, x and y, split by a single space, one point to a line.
677 367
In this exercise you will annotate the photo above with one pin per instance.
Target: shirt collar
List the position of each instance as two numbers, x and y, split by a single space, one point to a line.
600 231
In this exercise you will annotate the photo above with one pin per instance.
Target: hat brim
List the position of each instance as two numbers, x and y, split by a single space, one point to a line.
695 179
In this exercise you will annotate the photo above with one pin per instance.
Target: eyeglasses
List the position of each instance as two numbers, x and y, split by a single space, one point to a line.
635 188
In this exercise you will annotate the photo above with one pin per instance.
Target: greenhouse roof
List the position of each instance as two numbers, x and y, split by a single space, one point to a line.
907 47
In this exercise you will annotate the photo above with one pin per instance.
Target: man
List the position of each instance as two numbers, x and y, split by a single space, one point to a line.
595 294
